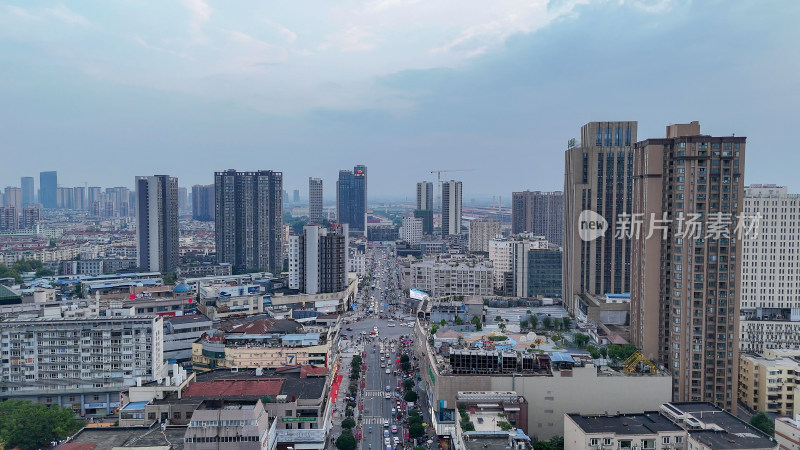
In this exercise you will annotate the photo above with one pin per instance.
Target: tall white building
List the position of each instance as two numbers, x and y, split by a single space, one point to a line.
318 259
451 207
79 363
425 196
770 298
411 230
480 232
500 256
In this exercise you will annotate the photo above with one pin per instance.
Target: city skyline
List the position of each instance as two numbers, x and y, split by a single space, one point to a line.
503 83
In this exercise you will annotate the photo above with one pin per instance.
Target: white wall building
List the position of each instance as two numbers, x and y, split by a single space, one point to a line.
770 299
453 278
411 230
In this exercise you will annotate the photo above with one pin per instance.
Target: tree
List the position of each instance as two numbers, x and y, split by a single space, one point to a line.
458 321
26 425
78 292
619 353
467 426
404 358
348 423
406 366
170 278
603 352
593 351
523 324
266 399
416 430
477 322
534 321
502 326
566 321
44 273
346 440
443 322
434 329
7 272
505 426
547 321
498 318
762 421
581 339
408 384
410 396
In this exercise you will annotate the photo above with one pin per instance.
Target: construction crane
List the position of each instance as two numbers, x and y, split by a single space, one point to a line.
439 181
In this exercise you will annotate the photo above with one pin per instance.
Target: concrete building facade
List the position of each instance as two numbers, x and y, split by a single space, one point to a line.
481 231
539 213
315 200
451 207
157 223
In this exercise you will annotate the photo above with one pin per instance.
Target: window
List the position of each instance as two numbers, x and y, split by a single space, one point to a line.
176 415
594 442
608 441
598 140
665 440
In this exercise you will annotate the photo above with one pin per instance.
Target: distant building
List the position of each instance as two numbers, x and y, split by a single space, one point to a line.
351 198
315 214
296 196
425 196
203 202
157 223
427 219
79 198
13 197
28 191
48 186
30 216
443 278
9 218
451 207
382 233
544 273
539 213
249 219
411 230
480 232
318 259
183 199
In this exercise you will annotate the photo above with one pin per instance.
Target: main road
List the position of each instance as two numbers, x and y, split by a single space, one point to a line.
381 349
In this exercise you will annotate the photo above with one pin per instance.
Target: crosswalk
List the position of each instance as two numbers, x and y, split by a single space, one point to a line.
373 393
372 420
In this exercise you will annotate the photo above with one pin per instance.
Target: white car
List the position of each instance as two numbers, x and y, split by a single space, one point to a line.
388 371
396 441
387 442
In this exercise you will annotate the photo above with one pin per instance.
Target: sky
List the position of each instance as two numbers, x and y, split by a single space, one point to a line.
103 91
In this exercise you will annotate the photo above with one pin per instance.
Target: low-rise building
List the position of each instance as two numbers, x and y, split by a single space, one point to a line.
222 424
218 300
442 278
768 382
682 426
787 433
180 332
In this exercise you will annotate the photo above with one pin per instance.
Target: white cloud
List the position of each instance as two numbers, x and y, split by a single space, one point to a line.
200 10
66 15
353 39
379 5
287 34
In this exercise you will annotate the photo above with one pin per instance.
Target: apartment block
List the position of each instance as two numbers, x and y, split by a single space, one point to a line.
481 231
685 292
318 259
79 363
440 278
539 213
411 230
315 200
451 207
768 382
157 223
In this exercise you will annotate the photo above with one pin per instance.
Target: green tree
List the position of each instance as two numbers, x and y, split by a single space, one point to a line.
408 384
603 352
410 396
443 322
581 339
505 426
534 321
78 292
27 425
348 423
416 430
502 326
346 440
547 321
170 278
7 272
477 322
523 324
593 351
565 321
467 426
762 421
434 329
406 366
44 273
619 353
266 399
458 321
404 358
498 318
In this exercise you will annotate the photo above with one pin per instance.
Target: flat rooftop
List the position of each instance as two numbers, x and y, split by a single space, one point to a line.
649 422
731 432
108 438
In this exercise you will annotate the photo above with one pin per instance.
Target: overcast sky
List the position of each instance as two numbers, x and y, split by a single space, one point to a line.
105 90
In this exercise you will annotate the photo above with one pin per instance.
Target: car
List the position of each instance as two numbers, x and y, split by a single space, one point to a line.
394 429
387 442
388 396
383 365
349 329
388 389
386 433
393 411
396 440
388 371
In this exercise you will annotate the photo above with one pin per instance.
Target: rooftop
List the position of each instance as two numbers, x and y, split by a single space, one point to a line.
293 382
109 438
265 326
649 422
715 428
235 388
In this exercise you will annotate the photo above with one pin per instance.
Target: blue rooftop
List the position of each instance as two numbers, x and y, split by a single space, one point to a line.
135 406
123 284
182 288
622 295
561 357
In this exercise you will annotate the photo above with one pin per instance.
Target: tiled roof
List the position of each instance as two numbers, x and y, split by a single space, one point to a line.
77 446
235 388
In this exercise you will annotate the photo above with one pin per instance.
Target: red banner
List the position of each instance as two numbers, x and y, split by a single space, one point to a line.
335 387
